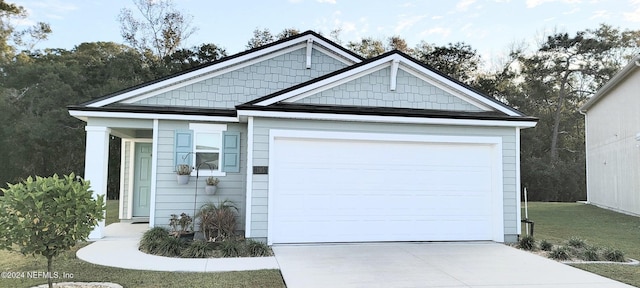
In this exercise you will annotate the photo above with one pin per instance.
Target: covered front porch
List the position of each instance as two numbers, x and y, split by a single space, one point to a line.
136 160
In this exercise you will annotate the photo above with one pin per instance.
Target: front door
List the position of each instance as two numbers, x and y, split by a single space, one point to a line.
142 180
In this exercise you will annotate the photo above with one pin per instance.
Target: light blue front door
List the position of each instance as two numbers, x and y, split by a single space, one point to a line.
142 180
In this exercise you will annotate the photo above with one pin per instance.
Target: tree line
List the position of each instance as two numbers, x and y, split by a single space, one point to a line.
38 137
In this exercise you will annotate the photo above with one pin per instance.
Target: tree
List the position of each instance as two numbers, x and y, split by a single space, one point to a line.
367 47
48 216
566 70
161 31
10 38
38 87
264 37
188 58
551 83
457 60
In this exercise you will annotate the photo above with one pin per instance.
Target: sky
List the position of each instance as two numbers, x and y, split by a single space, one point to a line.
489 26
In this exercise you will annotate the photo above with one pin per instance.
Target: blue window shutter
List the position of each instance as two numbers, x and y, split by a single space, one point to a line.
184 147
230 151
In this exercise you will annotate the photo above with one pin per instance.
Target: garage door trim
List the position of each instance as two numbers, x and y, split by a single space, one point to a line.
494 142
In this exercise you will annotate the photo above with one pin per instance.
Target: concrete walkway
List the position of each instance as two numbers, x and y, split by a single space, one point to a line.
119 248
473 264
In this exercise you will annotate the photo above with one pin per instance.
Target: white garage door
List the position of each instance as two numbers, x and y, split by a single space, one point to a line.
372 187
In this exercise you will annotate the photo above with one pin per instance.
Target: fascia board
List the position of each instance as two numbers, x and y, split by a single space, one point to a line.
83 115
384 119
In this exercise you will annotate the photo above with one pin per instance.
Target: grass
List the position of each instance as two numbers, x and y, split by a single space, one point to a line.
112 212
557 222
86 272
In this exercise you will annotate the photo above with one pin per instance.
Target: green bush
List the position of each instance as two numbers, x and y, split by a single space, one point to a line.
559 253
614 255
576 242
590 254
527 243
171 247
257 249
47 216
231 248
545 245
197 249
151 239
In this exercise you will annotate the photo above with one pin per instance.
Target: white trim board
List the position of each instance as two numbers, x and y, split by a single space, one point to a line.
385 119
154 172
84 115
249 183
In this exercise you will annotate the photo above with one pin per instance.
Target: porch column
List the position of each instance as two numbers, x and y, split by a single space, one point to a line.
96 166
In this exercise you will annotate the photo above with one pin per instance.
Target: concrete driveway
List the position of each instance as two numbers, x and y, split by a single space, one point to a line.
475 264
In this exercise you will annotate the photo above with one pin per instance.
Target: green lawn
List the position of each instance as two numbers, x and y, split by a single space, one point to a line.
557 222
85 272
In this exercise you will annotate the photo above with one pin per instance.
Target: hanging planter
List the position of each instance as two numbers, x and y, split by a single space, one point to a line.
184 172
212 185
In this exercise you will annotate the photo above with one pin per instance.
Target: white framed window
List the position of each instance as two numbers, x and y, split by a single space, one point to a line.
207 148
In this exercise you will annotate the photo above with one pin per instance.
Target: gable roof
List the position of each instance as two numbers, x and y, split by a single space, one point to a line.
195 73
282 103
287 96
613 82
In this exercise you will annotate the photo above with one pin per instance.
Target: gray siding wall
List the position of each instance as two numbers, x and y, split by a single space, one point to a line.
374 90
262 126
126 149
248 83
172 198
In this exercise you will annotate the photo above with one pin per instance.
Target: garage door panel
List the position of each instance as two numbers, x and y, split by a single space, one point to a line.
327 190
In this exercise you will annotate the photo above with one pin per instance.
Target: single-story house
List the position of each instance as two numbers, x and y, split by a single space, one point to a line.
316 144
612 133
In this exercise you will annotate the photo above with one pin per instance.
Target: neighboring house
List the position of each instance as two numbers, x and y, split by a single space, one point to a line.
612 134
315 144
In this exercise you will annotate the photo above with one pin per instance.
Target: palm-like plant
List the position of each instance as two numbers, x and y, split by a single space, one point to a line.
217 222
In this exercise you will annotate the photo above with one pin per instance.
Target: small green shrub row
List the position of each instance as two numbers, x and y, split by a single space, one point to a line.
574 248
158 241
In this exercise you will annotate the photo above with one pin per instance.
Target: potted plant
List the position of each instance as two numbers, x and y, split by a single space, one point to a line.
186 226
212 185
184 172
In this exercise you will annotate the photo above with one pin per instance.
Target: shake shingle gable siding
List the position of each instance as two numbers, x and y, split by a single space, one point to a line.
373 90
245 84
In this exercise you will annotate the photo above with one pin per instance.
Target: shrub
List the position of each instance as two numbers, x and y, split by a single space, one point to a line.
590 254
170 247
47 216
150 241
197 249
231 248
559 253
217 222
257 249
545 245
576 242
615 255
527 243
